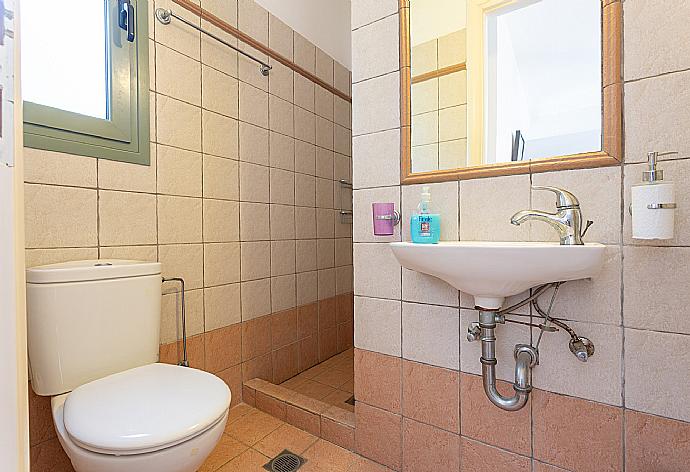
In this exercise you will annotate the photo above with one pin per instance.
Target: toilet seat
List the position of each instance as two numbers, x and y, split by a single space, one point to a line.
144 409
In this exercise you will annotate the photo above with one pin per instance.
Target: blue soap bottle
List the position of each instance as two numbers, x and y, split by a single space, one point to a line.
425 224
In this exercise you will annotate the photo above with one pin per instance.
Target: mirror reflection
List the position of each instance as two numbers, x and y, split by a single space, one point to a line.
496 81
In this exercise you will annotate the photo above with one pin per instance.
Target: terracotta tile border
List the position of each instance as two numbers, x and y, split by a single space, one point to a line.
325 421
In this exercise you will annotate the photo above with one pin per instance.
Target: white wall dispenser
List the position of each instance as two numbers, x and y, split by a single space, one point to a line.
653 203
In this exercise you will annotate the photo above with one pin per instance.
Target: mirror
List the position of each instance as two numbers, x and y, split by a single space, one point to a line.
499 87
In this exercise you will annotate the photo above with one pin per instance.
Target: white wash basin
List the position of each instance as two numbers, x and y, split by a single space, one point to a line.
492 271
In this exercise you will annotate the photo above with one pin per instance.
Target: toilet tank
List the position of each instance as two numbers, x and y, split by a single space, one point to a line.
90 319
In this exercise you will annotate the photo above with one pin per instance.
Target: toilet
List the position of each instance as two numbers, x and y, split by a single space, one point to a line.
93 336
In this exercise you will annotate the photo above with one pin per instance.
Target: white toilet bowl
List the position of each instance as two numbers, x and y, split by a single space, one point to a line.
155 418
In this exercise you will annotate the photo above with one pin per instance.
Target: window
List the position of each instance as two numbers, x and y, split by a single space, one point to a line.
85 78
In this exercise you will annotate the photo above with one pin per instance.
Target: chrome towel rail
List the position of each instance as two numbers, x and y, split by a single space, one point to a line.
166 16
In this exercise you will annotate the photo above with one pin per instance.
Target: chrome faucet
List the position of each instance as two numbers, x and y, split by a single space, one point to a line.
567 220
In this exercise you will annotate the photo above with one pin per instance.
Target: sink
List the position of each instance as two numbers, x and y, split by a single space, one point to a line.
492 271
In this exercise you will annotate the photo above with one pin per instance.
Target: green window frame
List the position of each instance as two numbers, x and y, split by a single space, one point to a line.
125 134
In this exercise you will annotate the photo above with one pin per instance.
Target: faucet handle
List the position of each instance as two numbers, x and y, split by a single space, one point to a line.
564 199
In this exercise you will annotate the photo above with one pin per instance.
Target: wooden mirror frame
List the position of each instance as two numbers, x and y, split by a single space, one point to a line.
612 105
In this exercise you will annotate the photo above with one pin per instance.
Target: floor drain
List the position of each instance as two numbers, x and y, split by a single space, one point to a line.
286 461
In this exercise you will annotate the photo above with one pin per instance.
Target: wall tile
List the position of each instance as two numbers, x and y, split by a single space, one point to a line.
282 222
281 116
654 288
60 216
221 306
378 380
478 457
114 175
305 255
305 125
378 435
656 360
452 49
593 440
255 262
652 36
342 79
282 151
254 146
218 55
305 53
220 92
381 276
134 253
305 223
654 443
305 157
178 123
281 80
505 196
177 35
381 41
324 66
304 90
220 135
652 113
431 395
422 288
126 218
323 103
426 448
324 162
282 257
280 37
254 183
376 159
180 172
253 105
221 221
378 325
177 75
305 190
430 335
46 167
183 260
307 288
283 292
254 222
221 178
37 257
221 263
256 300
179 220
365 12
249 72
376 104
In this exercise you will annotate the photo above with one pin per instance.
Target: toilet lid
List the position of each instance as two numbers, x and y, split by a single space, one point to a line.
144 409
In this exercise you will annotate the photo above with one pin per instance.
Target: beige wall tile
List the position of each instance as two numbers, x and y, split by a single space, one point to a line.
179 220
430 335
675 170
183 260
37 257
376 104
132 253
218 55
365 12
254 222
324 163
249 72
654 31
342 168
283 293
452 154
507 336
655 288
598 191
221 178
452 49
452 89
363 231
655 370
255 260
381 276
256 299
220 135
325 223
343 280
381 41
342 79
281 116
282 258
178 123
652 115
305 53
305 255
177 35
282 222
599 379
504 195
177 75
304 90
444 199
60 216
323 104
424 97
253 105
254 183
324 193
222 306
179 172
422 288
343 251
305 157
324 66
307 287
114 175
46 167
342 112
305 190
305 223
280 37
253 144
325 253
305 125
326 280
221 92
171 315
224 9
452 123
424 57
221 221
378 325
281 80
221 264
425 129
252 19
425 158
376 159
324 133
282 187
282 151
126 218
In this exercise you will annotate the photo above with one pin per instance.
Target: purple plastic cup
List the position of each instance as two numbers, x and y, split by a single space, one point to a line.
385 218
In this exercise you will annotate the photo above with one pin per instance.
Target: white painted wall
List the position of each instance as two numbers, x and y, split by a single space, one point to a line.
326 23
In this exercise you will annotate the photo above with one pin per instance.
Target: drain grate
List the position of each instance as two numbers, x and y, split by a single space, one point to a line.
286 461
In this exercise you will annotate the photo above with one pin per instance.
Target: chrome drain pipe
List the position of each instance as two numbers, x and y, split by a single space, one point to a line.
526 357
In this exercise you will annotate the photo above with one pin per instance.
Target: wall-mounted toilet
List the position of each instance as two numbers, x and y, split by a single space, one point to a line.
93 334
